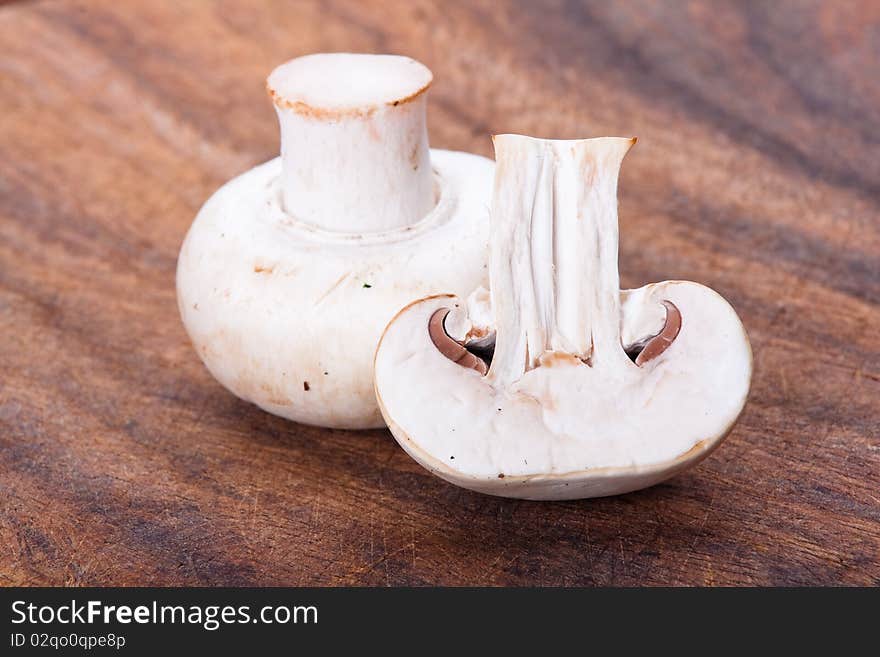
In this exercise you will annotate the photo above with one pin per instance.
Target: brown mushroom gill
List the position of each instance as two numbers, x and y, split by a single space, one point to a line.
650 348
452 349
641 352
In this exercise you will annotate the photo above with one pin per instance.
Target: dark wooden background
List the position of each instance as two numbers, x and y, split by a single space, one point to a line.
757 172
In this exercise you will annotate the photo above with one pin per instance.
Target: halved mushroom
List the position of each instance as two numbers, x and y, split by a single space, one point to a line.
590 390
291 271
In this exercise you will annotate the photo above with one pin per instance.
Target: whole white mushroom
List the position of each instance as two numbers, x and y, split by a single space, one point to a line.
589 390
291 271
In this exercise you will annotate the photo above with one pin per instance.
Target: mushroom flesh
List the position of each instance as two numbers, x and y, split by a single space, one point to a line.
558 385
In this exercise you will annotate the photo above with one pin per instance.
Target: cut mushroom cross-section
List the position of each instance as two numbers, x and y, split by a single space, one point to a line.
590 390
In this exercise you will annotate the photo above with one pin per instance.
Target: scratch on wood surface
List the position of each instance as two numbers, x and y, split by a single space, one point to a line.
372 535
699 533
254 513
192 567
412 530
589 545
385 555
381 561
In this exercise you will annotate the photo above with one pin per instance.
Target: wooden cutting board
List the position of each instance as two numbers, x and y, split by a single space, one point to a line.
757 172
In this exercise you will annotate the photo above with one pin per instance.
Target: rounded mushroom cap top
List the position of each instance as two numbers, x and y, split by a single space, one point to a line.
346 82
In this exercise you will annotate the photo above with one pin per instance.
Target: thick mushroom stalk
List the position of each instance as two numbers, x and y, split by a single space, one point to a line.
590 390
354 146
553 259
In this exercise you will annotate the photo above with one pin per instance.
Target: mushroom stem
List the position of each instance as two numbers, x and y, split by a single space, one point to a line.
553 261
354 144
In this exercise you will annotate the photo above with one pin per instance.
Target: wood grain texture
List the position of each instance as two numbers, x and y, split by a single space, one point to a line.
757 172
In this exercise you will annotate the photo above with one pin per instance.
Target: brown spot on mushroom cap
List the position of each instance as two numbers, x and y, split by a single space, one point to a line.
450 348
660 342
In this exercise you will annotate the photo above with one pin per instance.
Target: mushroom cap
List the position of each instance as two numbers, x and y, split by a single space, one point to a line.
566 430
272 303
